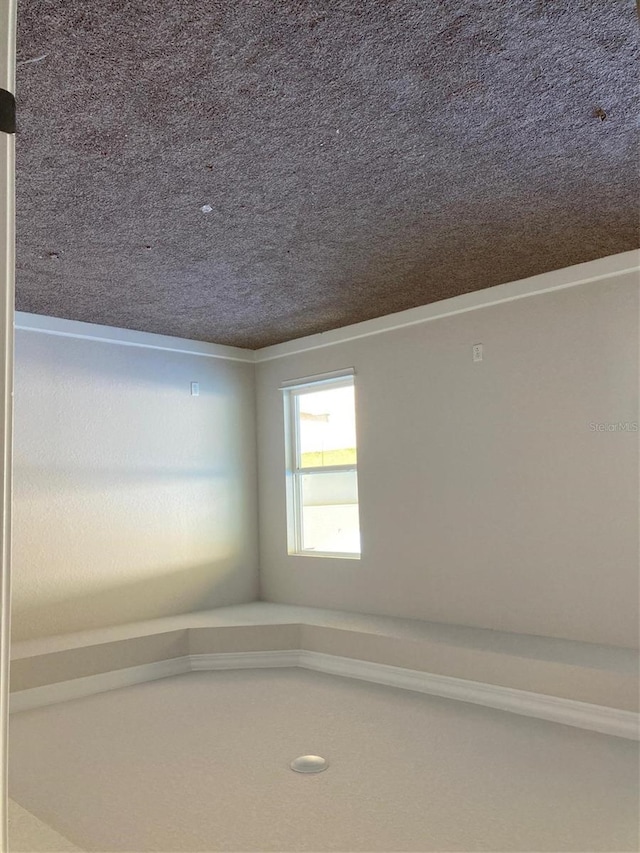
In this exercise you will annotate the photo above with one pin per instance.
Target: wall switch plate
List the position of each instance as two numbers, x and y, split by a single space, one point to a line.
195 389
477 352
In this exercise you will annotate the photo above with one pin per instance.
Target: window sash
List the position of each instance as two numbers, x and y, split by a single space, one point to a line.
325 469
333 379
298 522
294 395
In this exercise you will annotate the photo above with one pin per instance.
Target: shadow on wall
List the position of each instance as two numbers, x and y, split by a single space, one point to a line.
102 546
132 499
164 592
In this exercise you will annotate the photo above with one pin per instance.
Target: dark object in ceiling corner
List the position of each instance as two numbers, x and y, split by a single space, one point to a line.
7 112
251 172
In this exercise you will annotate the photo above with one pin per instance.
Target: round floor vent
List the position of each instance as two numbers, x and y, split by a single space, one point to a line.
309 764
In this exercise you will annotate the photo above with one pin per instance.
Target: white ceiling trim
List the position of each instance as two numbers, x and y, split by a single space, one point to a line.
625 264
44 325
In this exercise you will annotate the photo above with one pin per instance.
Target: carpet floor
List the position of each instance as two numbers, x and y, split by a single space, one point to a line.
200 762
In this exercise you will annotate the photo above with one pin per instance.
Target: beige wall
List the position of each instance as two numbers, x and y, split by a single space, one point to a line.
132 498
485 497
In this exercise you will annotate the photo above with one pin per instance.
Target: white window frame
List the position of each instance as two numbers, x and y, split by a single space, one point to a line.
292 391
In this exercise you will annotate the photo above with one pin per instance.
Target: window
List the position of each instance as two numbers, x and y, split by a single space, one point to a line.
322 478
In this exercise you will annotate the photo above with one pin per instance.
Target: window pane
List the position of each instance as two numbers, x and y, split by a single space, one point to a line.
330 519
327 427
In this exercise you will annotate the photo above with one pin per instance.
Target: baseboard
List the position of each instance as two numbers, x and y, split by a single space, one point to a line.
245 660
77 688
598 718
570 712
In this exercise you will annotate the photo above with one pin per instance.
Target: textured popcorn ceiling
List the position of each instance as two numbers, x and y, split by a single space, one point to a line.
359 158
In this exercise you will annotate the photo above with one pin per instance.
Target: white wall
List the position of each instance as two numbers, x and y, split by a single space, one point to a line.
132 498
485 497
